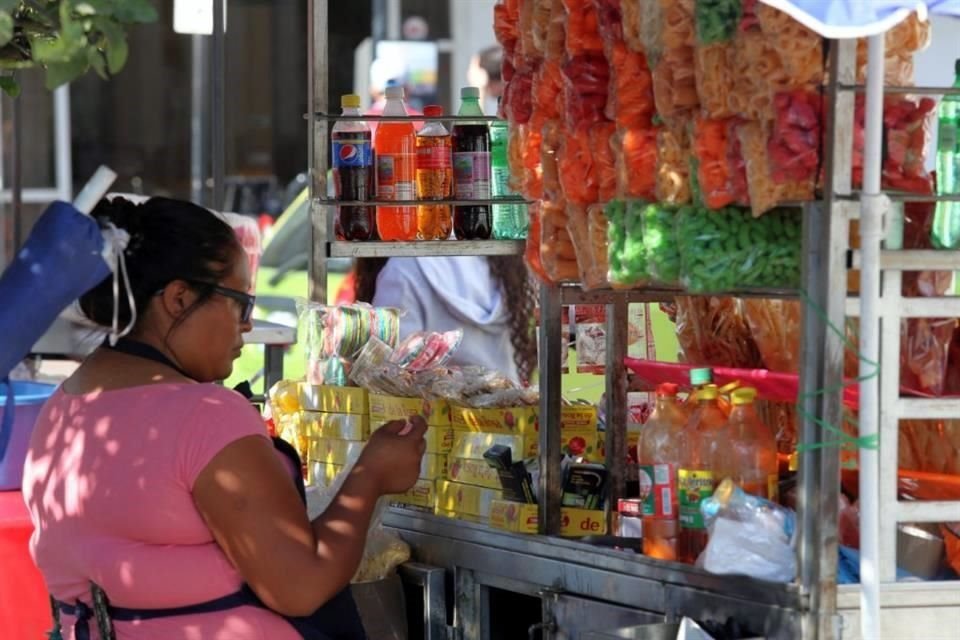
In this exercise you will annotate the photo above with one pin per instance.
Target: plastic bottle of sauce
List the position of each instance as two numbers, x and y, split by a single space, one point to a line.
660 457
696 478
746 451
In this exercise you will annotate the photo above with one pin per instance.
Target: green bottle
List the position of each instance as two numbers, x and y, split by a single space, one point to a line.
946 220
509 220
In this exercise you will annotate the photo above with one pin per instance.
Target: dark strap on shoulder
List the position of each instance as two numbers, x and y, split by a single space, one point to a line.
143 350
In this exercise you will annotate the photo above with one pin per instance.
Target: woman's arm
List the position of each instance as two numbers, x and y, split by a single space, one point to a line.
252 508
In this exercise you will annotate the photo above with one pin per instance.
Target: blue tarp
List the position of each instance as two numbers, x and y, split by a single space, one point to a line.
840 19
60 261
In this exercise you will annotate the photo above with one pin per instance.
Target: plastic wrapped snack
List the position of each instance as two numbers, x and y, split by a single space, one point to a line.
673 167
765 194
924 353
575 167
799 49
728 249
518 97
717 20
714 78
334 335
549 148
557 255
775 326
593 271
548 90
586 83
627 262
713 172
631 22
906 132
556 45
528 46
902 42
668 35
712 331
609 20
604 167
794 146
583 35
506 27
757 71
597 228
660 244
630 100
636 160
736 164
540 19
532 185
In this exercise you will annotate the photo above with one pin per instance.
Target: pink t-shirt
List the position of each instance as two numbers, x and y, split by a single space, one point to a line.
108 483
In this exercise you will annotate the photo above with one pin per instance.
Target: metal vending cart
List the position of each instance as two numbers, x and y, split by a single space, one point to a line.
584 588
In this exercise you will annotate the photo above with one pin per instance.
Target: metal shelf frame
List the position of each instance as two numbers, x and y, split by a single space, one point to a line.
481 558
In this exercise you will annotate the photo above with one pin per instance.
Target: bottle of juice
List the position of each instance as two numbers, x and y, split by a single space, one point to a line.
396 157
471 170
746 450
696 478
659 454
434 177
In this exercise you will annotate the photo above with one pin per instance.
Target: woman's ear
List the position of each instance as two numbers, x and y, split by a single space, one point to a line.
176 298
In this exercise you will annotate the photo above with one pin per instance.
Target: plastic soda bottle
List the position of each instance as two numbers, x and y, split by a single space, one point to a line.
746 451
353 176
396 158
434 177
660 457
471 170
946 219
696 478
510 221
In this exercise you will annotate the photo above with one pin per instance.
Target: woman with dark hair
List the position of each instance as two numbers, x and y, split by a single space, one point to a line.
154 489
491 299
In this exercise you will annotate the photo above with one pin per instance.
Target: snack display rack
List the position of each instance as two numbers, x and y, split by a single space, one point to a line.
581 585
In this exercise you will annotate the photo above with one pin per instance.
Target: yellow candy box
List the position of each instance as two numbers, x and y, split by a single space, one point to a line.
339 426
329 399
475 472
386 408
523 518
456 498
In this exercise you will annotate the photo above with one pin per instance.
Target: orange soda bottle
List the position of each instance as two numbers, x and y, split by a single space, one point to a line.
660 457
434 177
396 157
746 451
697 478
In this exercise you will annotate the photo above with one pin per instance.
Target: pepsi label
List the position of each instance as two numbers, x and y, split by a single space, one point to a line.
352 150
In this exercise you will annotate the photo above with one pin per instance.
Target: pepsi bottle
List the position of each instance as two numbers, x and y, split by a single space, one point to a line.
353 174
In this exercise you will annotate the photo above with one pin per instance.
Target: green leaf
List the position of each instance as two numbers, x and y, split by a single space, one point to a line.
116 48
10 86
60 73
99 63
6 28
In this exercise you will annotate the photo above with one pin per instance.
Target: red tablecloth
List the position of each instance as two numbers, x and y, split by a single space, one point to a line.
24 603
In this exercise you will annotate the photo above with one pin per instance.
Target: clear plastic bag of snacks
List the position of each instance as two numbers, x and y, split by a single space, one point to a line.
673 166
635 151
593 268
630 97
557 255
710 147
586 84
714 77
728 249
604 170
717 20
712 331
660 244
583 35
626 255
775 326
575 167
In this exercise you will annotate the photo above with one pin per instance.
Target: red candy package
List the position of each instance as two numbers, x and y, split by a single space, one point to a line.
586 82
794 146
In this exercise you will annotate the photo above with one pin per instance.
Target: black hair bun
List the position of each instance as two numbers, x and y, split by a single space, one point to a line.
123 214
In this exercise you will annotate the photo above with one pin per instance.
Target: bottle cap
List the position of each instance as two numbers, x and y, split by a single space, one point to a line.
667 389
393 93
709 392
699 377
350 101
743 395
433 111
470 93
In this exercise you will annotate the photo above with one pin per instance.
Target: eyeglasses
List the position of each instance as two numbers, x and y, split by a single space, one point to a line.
247 301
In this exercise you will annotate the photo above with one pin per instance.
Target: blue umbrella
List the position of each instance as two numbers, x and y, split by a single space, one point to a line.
62 259
840 19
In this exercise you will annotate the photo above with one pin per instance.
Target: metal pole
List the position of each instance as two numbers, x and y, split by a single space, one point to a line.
616 409
62 153
871 214
551 345
826 241
217 104
198 113
317 83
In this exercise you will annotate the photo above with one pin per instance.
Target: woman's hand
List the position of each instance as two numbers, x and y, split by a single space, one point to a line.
394 453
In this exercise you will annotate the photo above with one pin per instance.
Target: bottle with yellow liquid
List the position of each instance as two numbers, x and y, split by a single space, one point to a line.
697 476
746 450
